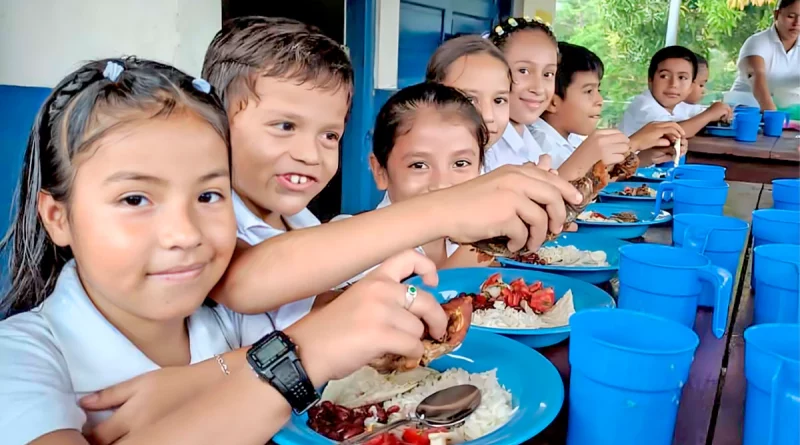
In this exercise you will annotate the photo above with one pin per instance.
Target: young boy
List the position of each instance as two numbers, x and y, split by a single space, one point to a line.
670 76
576 108
287 89
699 85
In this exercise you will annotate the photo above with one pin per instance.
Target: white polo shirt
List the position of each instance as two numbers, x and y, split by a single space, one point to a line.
558 147
65 349
512 148
783 68
253 230
645 109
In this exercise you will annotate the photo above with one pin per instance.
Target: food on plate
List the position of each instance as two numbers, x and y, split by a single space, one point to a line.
626 168
333 419
620 217
565 256
459 312
589 186
519 305
642 190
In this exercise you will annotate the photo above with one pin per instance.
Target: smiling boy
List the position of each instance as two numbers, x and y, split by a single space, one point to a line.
670 76
287 90
576 108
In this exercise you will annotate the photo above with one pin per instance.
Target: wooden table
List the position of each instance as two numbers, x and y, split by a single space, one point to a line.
712 403
760 162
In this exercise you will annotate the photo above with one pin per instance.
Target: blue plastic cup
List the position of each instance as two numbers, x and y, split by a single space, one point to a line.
746 109
628 369
774 122
668 281
786 194
776 273
746 126
772 369
773 226
693 196
699 171
719 238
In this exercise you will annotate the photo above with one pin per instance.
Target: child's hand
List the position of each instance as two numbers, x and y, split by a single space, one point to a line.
607 145
657 134
661 154
517 201
719 111
369 320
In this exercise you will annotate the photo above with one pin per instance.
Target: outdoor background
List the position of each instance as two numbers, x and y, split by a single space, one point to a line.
626 33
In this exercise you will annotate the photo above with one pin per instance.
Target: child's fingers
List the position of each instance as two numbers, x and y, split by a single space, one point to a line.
401 343
110 397
538 221
547 188
408 322
109 431
545 163
407 263
426 307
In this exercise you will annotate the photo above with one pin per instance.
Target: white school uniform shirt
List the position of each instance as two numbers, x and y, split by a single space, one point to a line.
558 147
782 67
65 349
645 109
512 148
253 230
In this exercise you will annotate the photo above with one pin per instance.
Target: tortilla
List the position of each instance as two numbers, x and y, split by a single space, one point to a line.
359 388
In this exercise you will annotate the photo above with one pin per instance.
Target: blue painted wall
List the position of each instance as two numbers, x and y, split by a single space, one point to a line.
424 25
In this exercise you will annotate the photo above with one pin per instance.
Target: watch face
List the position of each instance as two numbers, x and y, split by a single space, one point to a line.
286 373
270 351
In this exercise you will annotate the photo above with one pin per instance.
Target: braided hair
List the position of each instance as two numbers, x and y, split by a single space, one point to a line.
67 125
503 31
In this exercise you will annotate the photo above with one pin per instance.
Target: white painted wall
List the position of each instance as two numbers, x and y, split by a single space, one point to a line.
43 40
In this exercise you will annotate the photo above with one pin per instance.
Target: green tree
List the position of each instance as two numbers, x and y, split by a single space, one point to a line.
626 33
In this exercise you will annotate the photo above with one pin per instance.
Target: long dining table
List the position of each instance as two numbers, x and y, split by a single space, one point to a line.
711 409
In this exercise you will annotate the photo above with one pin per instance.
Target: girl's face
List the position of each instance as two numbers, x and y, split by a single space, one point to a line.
787 21
698 86
533 58
149 219
437 152
484 79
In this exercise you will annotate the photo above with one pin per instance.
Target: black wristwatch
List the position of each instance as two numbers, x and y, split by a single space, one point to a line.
273 358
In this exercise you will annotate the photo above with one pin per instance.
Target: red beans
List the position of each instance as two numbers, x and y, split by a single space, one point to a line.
338 423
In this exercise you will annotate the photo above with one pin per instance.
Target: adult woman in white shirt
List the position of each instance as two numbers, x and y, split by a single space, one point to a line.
769 61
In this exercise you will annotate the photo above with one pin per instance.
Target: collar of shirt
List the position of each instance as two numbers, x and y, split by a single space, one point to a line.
254 230
552 143
512 148
775 38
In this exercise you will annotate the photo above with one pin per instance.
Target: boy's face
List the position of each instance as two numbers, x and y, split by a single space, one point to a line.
579 111
436 153
285 144
672 82
698 86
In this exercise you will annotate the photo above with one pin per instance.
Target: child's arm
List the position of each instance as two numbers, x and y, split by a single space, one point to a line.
607 145
520 202
718 111
758 69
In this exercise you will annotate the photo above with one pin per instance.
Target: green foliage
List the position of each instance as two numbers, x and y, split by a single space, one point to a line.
626 33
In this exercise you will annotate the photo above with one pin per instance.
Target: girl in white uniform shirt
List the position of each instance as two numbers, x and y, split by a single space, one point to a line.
113 254
428 137
531 51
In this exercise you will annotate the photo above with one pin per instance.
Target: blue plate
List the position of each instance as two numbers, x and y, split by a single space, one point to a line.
589 274
648 174
617 229
585 296
719 131
609 193
535 385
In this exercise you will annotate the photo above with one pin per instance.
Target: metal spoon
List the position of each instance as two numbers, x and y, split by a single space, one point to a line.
446 407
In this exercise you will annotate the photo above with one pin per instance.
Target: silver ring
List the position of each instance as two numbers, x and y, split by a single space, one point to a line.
411 295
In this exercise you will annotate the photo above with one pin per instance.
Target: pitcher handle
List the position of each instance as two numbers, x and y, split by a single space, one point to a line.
722 281
696 237
662 187
779 389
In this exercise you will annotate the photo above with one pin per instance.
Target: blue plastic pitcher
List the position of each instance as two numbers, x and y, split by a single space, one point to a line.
786 194
628 369
774 122
719 238
667 281
776 273
747 126
694 196
772 369
699 171
773 226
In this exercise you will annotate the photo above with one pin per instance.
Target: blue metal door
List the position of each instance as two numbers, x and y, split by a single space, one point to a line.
424 25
